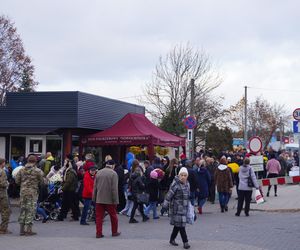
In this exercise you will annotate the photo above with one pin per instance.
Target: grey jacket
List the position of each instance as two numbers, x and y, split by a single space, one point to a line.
106 187
177 199
244 173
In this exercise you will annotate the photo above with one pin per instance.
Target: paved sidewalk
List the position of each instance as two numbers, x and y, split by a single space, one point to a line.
288 199
212 230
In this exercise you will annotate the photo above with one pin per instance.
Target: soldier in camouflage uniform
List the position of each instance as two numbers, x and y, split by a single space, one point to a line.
4 205
29 178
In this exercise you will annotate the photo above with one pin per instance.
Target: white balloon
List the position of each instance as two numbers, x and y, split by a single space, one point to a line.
15 171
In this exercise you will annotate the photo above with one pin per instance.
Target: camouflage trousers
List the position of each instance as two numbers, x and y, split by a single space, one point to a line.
28 209
5 212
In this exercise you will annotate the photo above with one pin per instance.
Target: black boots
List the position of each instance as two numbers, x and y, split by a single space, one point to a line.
186 245
222 209
173 243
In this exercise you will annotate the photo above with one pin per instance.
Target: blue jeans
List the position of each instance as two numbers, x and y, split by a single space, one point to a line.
41 211
151 206
201 202
86 205
223 198
192 198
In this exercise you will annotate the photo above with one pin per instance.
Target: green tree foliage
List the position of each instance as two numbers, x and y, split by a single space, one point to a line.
27 84
219 139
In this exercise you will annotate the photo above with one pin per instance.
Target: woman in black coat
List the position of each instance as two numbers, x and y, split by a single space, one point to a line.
137 186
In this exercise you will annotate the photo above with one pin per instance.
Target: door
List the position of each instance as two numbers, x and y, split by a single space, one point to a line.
2 147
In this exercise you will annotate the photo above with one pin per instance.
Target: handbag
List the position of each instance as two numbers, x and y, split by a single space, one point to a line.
142 198
250 182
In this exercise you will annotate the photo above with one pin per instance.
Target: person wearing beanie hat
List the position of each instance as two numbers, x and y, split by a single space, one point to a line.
87 192
29 178
183 170
153 190
177 200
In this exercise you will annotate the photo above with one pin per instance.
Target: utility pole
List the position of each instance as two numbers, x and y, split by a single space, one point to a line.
192 113
245 120
281 132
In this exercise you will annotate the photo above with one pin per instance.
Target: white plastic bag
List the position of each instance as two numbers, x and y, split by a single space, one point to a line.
258 197
190 218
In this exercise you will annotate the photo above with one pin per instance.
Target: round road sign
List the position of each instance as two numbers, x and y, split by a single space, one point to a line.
296 114
190 122
255 144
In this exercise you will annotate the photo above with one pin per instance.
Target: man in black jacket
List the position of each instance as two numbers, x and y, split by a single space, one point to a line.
121 181
192 178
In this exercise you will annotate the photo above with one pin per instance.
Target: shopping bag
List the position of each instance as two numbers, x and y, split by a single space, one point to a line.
258 197
190 218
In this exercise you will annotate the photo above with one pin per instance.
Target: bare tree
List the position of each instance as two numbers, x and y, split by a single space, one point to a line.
168 95
15 65
263 118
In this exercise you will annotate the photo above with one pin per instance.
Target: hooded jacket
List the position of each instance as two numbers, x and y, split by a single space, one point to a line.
88 185
244 173
223 179
136 183
204 179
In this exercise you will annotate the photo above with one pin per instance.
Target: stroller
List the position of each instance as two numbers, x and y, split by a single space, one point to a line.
50 201
91 216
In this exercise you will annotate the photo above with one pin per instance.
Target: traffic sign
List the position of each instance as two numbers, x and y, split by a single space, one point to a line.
190 135
190 122
296 114
296 127
255 144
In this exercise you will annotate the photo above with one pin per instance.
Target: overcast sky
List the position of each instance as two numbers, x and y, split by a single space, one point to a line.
110 48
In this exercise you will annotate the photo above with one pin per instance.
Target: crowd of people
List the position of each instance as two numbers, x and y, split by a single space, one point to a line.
174 185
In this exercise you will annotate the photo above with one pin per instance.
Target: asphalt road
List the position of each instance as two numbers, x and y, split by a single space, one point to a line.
212 230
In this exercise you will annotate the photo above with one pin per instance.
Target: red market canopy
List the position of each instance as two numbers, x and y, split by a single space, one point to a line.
133 129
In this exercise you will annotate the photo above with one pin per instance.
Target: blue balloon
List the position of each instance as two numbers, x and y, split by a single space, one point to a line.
129 158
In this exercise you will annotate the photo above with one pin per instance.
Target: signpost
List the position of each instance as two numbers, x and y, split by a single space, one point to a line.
296 115
190 123
257 163
255 144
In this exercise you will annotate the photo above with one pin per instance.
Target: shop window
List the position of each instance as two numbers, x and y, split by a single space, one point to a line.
36 146
54 146
18 145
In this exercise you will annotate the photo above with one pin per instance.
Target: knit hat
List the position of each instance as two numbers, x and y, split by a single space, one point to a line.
110 163
183 170
153 174
92 167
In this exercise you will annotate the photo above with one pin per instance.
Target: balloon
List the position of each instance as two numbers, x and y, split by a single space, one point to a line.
15 171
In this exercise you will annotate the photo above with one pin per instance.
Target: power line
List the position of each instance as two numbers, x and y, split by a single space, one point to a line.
279 90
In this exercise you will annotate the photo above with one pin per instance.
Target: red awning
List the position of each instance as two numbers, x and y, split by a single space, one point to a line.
133 129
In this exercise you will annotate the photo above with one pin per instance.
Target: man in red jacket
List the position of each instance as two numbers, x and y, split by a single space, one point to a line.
87 193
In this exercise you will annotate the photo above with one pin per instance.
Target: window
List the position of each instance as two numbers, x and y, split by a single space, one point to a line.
18 145
36 146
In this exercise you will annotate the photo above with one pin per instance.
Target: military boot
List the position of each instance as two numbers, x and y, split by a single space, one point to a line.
29 231
22 231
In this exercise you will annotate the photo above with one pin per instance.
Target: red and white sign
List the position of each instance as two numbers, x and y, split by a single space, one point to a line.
296 114
255 144
279 181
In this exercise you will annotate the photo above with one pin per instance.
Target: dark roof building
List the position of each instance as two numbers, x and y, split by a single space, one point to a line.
36 116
